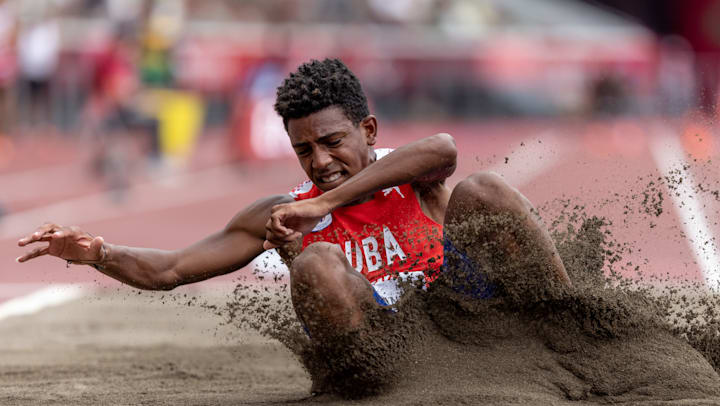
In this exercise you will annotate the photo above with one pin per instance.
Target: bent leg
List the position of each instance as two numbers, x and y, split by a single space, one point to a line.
328 295
497 228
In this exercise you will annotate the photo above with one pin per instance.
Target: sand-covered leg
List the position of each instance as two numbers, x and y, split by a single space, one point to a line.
328 295
492 226
350 352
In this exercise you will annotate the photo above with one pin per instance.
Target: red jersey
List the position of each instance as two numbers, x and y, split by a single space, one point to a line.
384 238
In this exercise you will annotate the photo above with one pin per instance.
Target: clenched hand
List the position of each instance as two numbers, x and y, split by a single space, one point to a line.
290 221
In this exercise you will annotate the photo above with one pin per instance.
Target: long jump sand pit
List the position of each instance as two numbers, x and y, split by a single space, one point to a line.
123 348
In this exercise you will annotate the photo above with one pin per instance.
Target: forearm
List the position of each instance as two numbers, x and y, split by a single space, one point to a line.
428 160
143 268
218 254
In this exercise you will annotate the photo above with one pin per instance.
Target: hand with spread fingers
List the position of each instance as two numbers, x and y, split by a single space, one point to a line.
69 243
291 221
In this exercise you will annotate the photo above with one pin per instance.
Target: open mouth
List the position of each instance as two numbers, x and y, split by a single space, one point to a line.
333 177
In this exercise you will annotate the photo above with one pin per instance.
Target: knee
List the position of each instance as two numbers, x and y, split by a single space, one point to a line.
489 189
316 261
489 182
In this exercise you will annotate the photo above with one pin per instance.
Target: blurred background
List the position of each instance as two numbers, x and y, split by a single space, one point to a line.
156 68
150 122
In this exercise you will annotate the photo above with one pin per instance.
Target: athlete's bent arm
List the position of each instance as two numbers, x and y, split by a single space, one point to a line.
424 163
145 268
428 160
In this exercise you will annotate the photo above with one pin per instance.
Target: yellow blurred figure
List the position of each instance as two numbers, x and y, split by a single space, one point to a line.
180 116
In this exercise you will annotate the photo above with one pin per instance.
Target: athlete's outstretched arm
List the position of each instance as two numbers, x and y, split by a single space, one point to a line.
424 163
145 268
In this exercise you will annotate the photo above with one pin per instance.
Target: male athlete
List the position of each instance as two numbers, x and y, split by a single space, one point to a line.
363 218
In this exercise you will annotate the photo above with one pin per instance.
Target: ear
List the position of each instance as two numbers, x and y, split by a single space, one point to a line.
369 127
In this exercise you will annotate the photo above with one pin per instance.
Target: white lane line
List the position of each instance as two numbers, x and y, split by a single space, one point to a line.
667 151
40 299
536 155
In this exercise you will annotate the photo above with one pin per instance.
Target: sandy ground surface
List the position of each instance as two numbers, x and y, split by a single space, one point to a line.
128 349
118 347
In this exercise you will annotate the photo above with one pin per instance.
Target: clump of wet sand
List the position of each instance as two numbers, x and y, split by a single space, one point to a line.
597 341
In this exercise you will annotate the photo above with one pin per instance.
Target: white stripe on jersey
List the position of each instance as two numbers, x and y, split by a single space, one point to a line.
381 152
390 289
302 188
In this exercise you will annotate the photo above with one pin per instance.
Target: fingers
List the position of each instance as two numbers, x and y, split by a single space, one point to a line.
39 251
275 227
275 243
73 235
63 242
275 223
276 234
41 233
52 231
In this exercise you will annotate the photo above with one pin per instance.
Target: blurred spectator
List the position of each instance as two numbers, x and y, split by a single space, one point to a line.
38 50
158 40
113 113
114 80
608 94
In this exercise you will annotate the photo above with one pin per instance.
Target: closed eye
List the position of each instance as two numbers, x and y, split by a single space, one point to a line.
302 152
333 140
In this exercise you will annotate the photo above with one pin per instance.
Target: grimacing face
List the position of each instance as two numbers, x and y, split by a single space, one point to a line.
330 148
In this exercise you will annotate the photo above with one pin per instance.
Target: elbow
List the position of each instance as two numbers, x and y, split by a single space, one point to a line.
164 286
444 151
444 146
167 280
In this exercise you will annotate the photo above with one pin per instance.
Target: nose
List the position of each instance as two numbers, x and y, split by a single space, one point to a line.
321 158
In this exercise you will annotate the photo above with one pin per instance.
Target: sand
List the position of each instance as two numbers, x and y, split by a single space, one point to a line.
127 349
121 348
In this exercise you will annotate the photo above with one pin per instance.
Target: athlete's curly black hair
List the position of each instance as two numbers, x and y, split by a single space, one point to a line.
320 84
